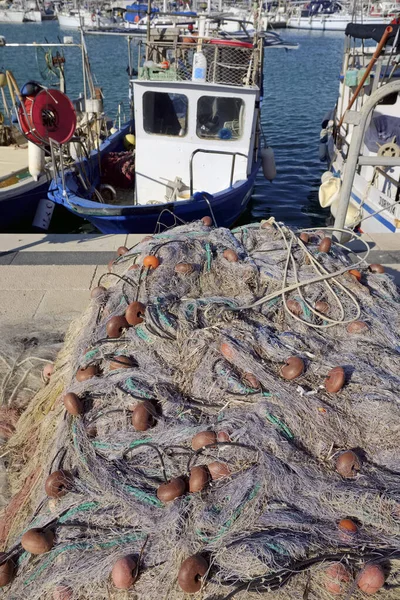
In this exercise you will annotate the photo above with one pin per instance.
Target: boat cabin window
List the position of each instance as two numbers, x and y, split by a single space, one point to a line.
219 118
165 114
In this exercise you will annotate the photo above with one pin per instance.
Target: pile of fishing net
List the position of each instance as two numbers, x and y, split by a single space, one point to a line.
26 361
223 421
118 169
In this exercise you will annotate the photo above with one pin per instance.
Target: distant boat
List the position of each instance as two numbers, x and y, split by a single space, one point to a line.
327 15
74 18
220 24
33 11
11 14
22 12
198 141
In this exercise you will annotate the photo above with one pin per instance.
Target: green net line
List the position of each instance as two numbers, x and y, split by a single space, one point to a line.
237 512
209 257
280 424
52 555
132 386
90 354
86 506
141 333
141 495
119 445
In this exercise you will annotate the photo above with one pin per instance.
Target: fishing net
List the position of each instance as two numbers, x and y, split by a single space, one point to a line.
118 168
23 357
234 334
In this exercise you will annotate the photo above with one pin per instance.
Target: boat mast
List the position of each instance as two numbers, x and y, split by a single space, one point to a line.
148 29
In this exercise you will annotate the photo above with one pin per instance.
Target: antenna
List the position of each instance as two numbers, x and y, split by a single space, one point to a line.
148 28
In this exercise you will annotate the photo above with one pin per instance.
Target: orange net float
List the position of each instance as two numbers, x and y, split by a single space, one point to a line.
151 261
47 115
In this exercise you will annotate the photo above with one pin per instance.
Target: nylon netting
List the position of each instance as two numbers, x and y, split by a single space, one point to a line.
209 354
225 65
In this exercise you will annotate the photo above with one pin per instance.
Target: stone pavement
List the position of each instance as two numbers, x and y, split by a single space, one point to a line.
46 278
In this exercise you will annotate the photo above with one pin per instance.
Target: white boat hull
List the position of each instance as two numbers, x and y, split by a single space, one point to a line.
331 22
89 20
11 16
34 16
73 21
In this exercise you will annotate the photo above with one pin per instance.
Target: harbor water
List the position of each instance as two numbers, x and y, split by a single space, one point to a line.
300 86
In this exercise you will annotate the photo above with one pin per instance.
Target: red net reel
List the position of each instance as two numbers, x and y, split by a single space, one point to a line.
49 115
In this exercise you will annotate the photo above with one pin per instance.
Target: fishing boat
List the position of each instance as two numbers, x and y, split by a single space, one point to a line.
26 163
197 135
361 137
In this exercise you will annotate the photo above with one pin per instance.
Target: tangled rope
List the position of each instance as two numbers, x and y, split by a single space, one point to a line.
229 426
118 169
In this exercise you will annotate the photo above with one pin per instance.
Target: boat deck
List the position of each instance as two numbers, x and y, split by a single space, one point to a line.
47 278
13 159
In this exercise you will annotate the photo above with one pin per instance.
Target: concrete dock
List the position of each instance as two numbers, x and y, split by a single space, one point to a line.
45 279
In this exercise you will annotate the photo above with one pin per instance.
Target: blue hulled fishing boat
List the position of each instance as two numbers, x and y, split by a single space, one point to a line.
49 121
194 146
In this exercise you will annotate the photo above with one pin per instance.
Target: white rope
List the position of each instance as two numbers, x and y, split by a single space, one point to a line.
316 265
323 276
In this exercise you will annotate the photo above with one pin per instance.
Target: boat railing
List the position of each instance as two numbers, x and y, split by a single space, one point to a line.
224 152
228 62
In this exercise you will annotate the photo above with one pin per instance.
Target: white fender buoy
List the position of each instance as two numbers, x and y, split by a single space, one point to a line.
353 215
268 163
328 190
35 160
323 145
